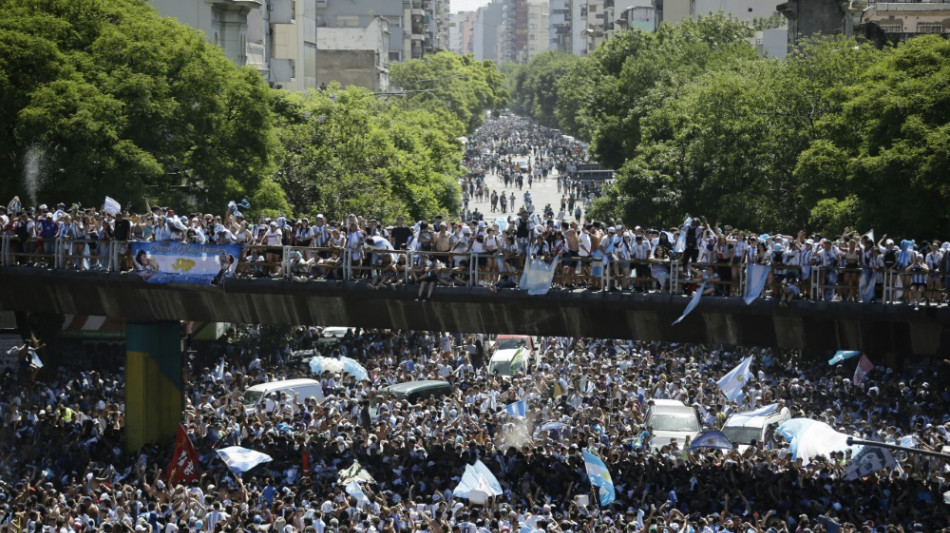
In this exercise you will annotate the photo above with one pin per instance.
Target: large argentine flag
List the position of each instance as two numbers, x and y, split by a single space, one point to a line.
755 278
600 478
517 409
538 276
732 383
241 459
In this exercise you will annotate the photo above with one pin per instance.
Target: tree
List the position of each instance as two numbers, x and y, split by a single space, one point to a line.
110 98
465 86
535 88
347 151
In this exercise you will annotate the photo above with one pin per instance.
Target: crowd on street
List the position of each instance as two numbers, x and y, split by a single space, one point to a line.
65 469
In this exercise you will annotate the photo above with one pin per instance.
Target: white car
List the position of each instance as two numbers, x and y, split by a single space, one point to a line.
671 419
511 354
748 426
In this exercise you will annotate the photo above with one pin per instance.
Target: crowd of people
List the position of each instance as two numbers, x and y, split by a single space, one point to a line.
65 468
492 248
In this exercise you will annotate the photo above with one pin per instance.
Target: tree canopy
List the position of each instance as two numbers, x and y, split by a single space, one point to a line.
105 97
838 134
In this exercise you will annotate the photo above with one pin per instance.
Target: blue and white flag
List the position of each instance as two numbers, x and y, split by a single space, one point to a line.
693 302
354 490
241 460
842 355
477 483
219 370
866 287
158 262
517 409
538 276
732 383
599 477
14 207
35 359
681 241
111 206
747 418
755 278
713 439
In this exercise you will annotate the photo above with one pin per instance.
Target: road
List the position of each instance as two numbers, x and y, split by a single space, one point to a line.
543 192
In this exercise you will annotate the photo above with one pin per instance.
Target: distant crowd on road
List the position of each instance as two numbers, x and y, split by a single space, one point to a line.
492 248
65 469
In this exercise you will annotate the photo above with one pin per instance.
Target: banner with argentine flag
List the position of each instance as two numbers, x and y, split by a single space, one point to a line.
599 477
732 383
755 277
200 264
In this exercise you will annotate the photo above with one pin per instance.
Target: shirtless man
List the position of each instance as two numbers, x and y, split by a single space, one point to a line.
573 245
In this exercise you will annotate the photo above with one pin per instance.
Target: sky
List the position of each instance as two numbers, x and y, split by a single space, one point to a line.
466 5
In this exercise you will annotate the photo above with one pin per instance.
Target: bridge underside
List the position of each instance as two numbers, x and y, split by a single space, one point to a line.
874 329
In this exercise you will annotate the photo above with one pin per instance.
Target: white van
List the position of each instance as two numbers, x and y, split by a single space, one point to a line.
511 354
747 426
258 395
671 419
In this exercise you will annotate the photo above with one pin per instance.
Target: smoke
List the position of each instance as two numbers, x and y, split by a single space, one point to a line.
34 167
516 433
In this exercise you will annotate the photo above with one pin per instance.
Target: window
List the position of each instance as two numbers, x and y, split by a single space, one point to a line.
395 56
347 21
929 27
892 28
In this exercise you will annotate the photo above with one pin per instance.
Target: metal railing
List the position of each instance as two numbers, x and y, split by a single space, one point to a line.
393 267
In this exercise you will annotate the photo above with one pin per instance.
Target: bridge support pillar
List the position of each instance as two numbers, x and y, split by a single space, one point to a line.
153 382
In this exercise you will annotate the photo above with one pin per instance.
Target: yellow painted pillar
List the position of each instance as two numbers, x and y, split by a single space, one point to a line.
153 382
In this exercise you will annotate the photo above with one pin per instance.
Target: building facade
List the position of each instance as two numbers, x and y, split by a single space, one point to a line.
539 20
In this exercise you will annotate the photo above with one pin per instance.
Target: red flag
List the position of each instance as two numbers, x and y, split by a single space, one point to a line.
184 463
864 366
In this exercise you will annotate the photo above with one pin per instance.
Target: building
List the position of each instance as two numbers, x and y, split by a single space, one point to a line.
416 27
486 38
275 37
673 11
812 17
640 17
461 30
559 28
539 20
886 21
355 56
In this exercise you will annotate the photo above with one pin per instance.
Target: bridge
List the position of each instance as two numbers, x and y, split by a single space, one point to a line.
876 329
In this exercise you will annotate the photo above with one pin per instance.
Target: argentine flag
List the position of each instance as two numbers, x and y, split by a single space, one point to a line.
732 383
693 302
843 355
599 477
755 278
517 409
681 241
241 460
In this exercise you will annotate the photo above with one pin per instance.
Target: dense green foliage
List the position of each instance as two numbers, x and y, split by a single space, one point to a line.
466 87
105 97
840 134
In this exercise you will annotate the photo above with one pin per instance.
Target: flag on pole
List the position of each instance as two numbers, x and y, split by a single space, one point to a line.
517 361
517 409
842 355
681 241
599 477
732 383
241 460
864 366
693 302
184 464
111 206
755 278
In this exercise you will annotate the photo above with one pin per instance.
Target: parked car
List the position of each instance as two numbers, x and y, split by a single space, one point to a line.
411 391
748 426
671 419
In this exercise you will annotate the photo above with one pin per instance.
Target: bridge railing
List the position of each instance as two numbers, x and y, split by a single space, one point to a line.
470 269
